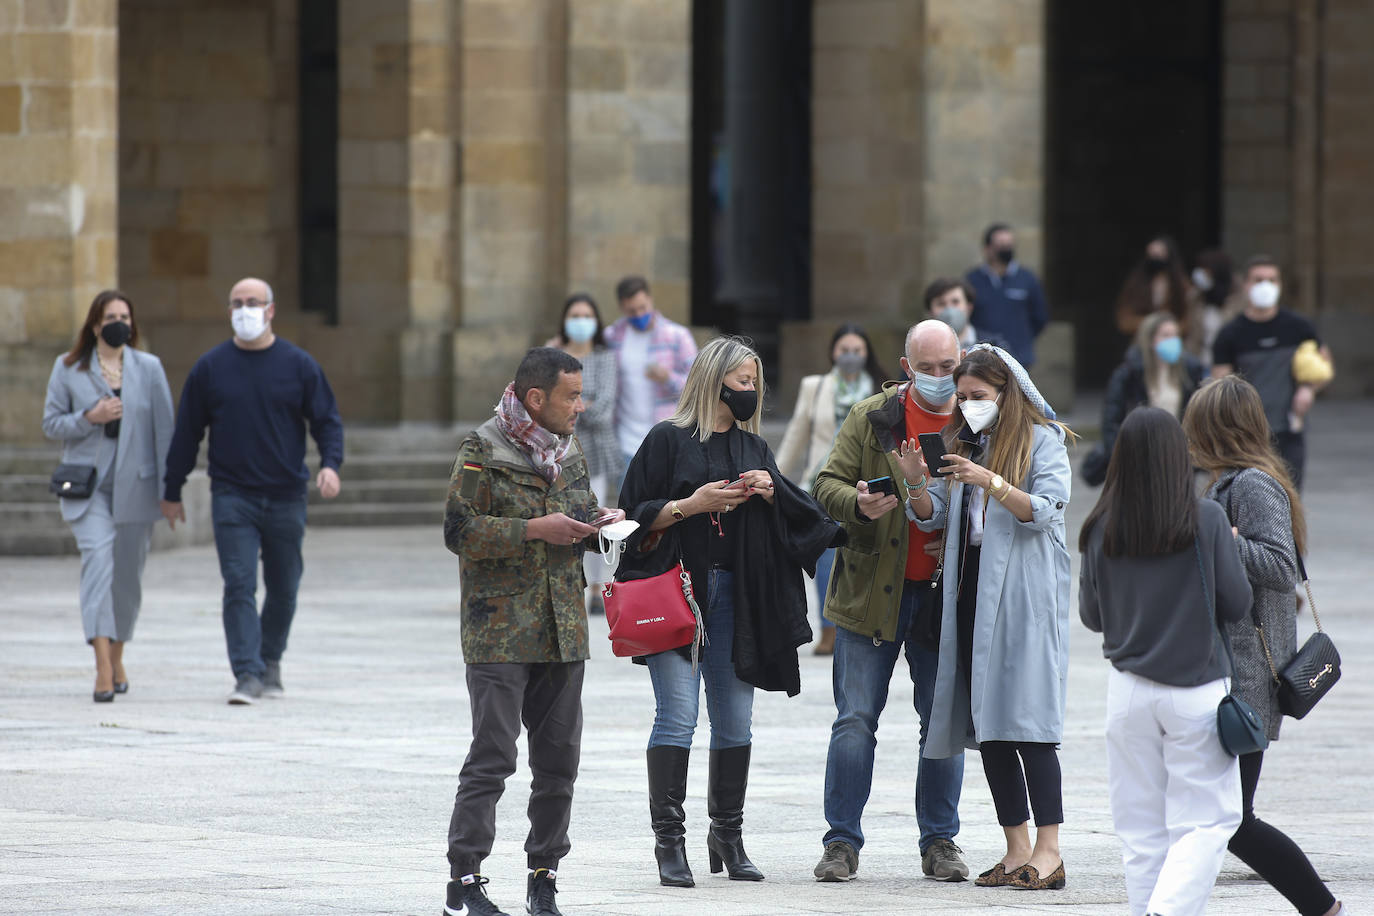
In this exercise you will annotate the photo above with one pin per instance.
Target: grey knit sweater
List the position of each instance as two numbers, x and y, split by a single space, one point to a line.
1258 507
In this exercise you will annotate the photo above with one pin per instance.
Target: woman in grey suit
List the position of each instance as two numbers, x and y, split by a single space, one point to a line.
111 408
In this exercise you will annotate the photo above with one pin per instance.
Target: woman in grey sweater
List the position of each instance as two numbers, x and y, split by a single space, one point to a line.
1160 573
1229 438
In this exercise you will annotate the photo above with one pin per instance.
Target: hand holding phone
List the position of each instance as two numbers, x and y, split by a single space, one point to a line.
933 450
882 485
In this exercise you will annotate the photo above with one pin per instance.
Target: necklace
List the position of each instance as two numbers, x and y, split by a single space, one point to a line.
113 374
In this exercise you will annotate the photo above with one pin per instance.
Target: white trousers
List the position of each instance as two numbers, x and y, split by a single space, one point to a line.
1175 792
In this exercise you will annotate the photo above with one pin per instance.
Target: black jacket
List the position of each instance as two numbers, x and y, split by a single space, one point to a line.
1125 392
774 543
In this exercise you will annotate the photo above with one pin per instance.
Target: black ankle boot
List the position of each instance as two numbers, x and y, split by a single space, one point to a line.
667 792
729 776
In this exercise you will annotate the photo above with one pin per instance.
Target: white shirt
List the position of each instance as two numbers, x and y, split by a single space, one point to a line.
635 403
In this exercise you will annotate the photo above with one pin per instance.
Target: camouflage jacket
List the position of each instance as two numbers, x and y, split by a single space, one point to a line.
521 600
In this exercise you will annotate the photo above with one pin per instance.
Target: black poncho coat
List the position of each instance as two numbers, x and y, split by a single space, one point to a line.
775 544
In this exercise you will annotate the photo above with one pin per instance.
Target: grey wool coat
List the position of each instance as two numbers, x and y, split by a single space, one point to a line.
138 458
1258 508
1021 631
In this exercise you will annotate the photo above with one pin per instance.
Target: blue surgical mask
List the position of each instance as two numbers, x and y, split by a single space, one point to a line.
641 322
580 329
1170 349
935 389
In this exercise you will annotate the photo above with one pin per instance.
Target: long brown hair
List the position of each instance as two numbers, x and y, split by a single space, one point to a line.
1147 507
1012 438
1137 293
84 345
1227 431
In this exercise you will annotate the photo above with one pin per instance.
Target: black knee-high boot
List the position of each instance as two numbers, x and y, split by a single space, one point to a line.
729 776
667 792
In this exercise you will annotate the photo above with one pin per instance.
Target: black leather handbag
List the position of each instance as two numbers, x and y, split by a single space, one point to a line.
73 481
1239 727
1312 672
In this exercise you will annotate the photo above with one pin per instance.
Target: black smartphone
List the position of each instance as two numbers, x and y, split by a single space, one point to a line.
882 485
933 448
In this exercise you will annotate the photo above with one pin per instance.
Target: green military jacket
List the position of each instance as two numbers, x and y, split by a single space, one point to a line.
865 591
521 600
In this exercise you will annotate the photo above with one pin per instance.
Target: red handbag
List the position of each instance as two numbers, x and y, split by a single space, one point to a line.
653 615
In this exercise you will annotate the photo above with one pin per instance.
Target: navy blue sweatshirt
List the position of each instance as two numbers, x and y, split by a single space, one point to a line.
256 404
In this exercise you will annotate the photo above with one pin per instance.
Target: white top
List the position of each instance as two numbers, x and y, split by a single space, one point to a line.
635 402
1165 392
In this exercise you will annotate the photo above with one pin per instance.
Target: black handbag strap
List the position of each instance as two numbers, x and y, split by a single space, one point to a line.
1217 634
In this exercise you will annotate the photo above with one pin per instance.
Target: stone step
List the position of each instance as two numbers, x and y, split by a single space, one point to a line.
432 490
370 515
40 542
405 439
29 460
24 488
403 466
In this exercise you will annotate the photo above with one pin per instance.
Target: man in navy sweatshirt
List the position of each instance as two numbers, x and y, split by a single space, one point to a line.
256 393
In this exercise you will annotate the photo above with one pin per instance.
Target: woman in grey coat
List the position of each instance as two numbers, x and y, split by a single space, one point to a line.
1004 640
111 408
1228 436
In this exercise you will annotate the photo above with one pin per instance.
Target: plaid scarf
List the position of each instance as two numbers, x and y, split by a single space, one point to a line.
545 450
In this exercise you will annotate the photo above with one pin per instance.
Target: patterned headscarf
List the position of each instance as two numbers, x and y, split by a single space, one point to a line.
1023 379
545 449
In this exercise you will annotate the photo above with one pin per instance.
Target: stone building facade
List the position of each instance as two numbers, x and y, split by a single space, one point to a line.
486 157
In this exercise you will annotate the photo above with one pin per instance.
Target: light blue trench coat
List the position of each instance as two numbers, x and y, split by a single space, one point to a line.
1021 631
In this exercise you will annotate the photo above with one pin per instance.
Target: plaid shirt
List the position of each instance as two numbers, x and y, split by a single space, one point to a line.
671 346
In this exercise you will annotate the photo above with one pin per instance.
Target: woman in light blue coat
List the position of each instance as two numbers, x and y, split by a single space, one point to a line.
1004 643
111 408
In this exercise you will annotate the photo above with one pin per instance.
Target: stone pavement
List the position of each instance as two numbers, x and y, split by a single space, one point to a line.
336 799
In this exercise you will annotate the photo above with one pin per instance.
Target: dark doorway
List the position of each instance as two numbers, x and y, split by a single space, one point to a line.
1133 151
751 167
319 157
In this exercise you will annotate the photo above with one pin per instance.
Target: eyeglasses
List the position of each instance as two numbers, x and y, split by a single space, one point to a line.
249 303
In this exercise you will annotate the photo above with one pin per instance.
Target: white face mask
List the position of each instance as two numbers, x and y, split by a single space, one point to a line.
1264 294
249 322
979 415
612 540
1201 279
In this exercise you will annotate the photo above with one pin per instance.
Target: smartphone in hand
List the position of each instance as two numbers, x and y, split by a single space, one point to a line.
882 485
736 485
933 450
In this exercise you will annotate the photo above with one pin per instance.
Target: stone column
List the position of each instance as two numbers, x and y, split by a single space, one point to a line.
396 152
509 232
629 149
58 223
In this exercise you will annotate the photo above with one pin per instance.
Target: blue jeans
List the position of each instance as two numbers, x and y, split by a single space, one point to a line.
823 567
861 675
246 525
677 691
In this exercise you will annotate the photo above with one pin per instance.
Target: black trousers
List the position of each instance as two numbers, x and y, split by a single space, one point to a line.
1017 768
1292 448
547 698
1269 851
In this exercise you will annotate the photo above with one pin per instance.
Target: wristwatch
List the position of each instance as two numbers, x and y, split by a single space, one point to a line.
998 487
675 512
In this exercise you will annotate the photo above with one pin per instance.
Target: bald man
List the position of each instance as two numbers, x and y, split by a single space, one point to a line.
256 393
883 602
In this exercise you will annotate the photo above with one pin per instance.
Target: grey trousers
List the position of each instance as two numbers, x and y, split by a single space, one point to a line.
112 558
548 699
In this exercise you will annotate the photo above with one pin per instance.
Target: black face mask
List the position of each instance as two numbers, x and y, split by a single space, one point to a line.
1005 255
116 333
741 403
1154 266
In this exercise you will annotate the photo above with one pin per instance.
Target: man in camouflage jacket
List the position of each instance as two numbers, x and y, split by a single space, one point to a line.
519 508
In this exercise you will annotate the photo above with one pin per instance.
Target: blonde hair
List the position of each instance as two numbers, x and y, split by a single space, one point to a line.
1013 437
1227 430
696 407
1145 343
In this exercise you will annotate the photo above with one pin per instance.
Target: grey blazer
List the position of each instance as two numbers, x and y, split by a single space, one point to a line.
1257 505
145 432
